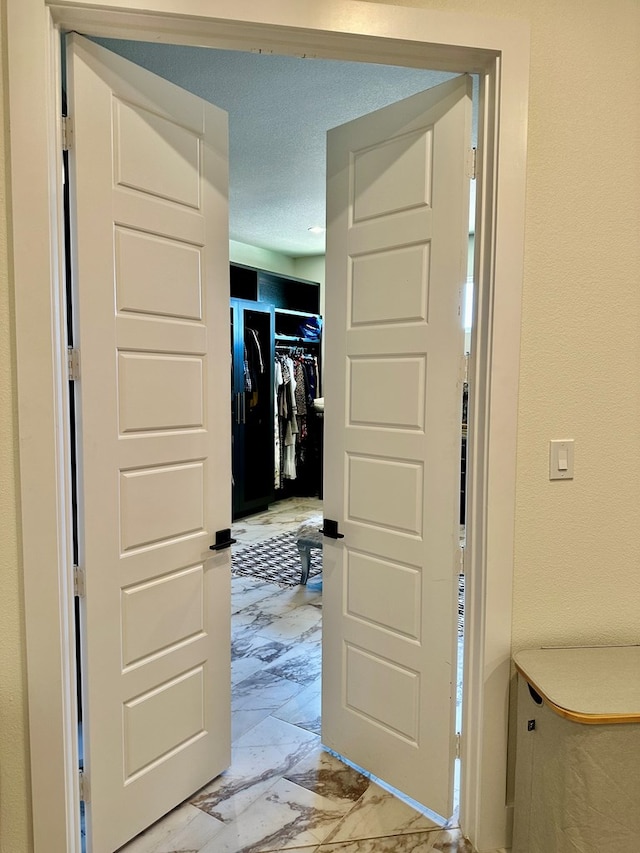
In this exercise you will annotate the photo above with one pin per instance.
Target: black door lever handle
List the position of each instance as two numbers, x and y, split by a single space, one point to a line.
223 540
330 529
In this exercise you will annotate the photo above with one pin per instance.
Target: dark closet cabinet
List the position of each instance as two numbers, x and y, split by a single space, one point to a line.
293 299
276 311
252 335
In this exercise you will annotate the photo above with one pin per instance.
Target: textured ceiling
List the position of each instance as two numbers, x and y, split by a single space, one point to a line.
279 111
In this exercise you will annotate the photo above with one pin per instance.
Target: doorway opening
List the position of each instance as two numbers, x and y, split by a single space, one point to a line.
253 323
499 50
255 326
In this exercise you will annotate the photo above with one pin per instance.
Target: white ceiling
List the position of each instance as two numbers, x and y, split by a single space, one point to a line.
279 111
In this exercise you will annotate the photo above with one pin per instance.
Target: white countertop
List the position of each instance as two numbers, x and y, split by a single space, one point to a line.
597 682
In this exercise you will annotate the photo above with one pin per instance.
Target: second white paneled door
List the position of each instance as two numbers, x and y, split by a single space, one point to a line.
397 236
148 171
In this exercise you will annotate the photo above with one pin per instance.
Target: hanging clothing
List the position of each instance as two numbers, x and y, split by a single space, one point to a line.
257 349
253 361
278 382
310 368
291 425
301 389
248 384
297 427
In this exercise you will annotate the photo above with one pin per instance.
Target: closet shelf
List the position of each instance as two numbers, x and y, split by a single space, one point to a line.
295 313
295 339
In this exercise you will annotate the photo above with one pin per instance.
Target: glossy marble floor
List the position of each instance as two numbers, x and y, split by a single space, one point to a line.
283 791
279 518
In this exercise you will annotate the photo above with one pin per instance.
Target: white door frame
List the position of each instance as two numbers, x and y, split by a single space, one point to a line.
498 50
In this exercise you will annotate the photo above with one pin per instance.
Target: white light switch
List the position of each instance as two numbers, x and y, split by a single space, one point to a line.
561 459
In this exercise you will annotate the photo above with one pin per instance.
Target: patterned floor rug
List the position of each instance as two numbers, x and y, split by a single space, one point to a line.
276 560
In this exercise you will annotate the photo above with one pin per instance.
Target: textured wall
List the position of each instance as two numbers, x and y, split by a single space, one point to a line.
15 816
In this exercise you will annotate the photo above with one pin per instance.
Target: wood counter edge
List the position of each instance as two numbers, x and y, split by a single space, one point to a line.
577 716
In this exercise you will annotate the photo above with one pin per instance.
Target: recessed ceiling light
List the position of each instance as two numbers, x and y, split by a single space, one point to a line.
317 229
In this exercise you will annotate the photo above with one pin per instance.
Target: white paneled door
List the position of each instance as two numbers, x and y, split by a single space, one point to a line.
397 236
148 172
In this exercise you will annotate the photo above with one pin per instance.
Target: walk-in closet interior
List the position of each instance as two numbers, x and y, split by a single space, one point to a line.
276 405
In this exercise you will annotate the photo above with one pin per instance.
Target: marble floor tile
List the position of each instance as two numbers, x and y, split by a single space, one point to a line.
415 842
300 596
253 620
263 690
302 663
297 625
248 644
323 773
304 709
286 816
244 667
243 721
259 759
281 600
246 591
377 814
281 517
254 698
184 829
305 849
192 836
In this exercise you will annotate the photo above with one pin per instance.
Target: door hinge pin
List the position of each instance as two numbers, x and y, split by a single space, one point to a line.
464 368
67 133
458 745
78 582
83 786
472 163
73 363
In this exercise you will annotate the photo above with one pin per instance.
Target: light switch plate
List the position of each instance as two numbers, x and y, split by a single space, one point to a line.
561 459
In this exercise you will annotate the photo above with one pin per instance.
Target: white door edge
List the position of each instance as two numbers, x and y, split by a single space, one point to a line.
40 344
390 587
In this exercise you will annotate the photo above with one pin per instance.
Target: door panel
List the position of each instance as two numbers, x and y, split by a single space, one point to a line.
172 285
397 214
150 267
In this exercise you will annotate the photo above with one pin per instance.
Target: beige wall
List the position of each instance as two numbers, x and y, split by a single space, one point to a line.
313 269
263 259
15 815
577 557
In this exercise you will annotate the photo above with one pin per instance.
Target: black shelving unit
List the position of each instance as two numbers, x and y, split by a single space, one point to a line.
252 406
278 306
